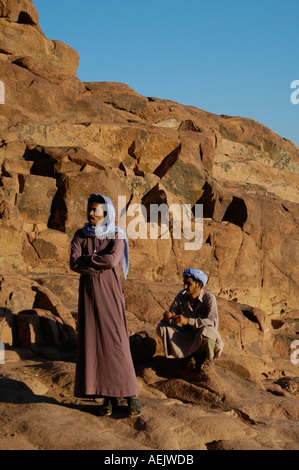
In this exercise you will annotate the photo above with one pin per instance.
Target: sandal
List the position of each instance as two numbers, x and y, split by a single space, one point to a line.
134 407
206 366
107 407
191 364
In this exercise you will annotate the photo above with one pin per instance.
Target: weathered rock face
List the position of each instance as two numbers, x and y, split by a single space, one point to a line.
32 316
22 36
247 184
62 139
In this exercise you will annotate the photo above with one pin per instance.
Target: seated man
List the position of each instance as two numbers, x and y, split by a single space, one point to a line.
189 328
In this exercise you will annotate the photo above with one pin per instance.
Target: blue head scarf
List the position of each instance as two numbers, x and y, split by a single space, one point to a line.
108 229
196 274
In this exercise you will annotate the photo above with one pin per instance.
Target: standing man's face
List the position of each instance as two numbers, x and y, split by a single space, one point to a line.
94 213
191 286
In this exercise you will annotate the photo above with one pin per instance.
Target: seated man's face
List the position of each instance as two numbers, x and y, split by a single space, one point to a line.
191 286
94 213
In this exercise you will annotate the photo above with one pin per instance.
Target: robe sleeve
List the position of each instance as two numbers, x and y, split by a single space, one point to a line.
77 262
109 260
96 262
174 307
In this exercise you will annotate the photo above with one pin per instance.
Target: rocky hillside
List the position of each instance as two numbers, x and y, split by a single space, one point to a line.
62 139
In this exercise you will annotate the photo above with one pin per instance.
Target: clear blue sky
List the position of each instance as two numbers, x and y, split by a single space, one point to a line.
234 57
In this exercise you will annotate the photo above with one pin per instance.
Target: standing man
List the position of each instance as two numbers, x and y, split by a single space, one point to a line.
190 327
104 366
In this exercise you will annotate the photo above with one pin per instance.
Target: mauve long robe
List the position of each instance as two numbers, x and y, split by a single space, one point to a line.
104 365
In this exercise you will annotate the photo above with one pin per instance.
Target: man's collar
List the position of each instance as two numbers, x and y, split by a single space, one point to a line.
200 295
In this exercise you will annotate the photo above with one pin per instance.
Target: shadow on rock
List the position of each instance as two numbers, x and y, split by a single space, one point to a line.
16 391
168 368
143 347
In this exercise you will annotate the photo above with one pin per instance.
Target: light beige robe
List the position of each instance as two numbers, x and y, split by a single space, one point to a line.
182 341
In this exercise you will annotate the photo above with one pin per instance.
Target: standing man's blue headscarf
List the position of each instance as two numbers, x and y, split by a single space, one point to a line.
196 274
108 229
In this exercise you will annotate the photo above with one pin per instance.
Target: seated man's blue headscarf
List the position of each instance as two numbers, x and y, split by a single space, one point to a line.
196 274
108 229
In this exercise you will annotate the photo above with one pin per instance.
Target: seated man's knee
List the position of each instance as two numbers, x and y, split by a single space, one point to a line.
208 346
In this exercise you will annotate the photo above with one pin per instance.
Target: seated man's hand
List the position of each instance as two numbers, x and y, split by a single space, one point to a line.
180 320
167 316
